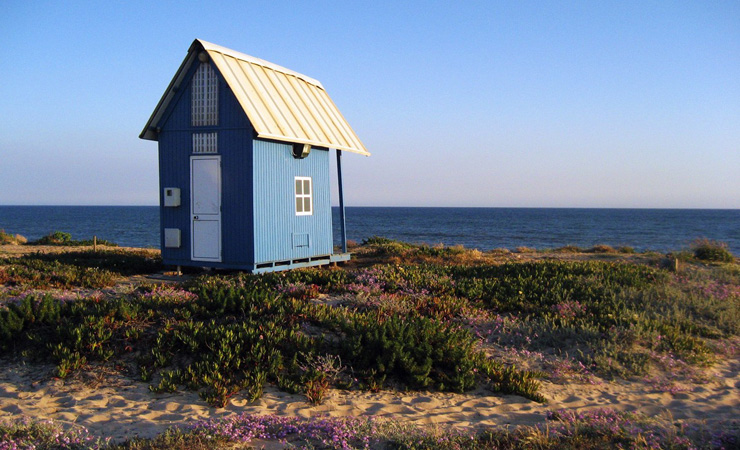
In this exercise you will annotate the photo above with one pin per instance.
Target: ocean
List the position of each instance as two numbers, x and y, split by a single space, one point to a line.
482 228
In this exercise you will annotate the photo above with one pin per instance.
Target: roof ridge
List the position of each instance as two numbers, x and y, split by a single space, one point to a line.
211 47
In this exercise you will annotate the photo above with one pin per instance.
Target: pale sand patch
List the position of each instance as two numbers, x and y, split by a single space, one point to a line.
122 408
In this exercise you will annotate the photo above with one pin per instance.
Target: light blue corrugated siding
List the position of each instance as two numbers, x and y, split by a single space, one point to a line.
275 222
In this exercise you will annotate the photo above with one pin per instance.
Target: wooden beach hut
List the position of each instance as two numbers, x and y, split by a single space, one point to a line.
244 149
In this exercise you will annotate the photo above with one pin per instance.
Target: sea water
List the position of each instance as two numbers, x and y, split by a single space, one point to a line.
481 228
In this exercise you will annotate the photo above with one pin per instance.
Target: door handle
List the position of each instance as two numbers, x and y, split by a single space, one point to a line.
195 217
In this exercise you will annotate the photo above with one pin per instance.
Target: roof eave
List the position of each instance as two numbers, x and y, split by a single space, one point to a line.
296 140
150 130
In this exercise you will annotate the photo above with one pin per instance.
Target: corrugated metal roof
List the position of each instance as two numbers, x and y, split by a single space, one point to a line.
281 104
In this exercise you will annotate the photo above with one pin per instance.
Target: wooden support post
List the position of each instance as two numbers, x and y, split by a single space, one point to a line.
341 202
95 243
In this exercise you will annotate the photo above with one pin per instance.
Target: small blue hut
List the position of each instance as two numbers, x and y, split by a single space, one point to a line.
244 164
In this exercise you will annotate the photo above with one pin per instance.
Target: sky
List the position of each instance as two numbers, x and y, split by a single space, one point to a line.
616 104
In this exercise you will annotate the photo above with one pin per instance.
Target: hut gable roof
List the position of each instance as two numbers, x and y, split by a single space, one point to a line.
281 104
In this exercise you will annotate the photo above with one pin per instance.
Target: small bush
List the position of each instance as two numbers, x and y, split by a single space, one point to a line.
54 238
602 248
63 238
714 251
569 249
7 238
386 247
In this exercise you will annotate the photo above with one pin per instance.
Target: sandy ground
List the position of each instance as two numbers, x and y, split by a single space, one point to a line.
118 407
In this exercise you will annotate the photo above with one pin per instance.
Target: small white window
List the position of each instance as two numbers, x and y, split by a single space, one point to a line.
205 142
303 196
205 96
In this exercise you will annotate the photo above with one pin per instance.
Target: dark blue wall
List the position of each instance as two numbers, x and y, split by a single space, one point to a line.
235 135
258 220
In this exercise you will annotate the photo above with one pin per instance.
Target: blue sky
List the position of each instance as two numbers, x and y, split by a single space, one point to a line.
531 104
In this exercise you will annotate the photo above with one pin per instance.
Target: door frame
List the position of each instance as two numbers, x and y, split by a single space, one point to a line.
210 217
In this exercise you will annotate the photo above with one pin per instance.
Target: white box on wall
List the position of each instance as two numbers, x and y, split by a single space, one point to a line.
172 237
171 196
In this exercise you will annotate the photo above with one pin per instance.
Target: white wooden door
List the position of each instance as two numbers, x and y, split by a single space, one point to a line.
205 208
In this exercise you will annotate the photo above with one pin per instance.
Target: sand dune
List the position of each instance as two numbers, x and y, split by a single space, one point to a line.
117 407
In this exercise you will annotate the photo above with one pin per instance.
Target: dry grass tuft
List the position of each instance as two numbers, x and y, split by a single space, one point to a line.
602 248
11 239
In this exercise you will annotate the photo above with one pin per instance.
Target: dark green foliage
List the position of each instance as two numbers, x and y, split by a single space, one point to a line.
86 269
377 240
10 325
239 338
509 380
121 262
30 311
63 238
34 273
713 251
528 287
324 279
386 247
54 238
440 251
417 352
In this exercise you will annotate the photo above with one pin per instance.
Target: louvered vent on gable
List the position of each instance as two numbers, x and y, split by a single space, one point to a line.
205 96
205 143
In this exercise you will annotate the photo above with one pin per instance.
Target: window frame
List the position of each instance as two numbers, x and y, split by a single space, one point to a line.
303 196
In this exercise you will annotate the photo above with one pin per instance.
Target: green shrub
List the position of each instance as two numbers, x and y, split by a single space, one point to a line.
63 238
714 251
377 240
386 247
54 238
418 352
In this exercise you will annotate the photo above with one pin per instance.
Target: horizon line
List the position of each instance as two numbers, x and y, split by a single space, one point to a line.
428 207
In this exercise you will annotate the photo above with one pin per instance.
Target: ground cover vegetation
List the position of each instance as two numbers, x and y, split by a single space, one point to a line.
74 269
598 429
404 317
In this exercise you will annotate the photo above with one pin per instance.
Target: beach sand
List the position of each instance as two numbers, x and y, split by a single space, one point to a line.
110 405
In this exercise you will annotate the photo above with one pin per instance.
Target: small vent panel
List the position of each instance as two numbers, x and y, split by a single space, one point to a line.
205 143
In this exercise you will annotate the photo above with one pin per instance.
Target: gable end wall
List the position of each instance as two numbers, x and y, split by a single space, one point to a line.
235 135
